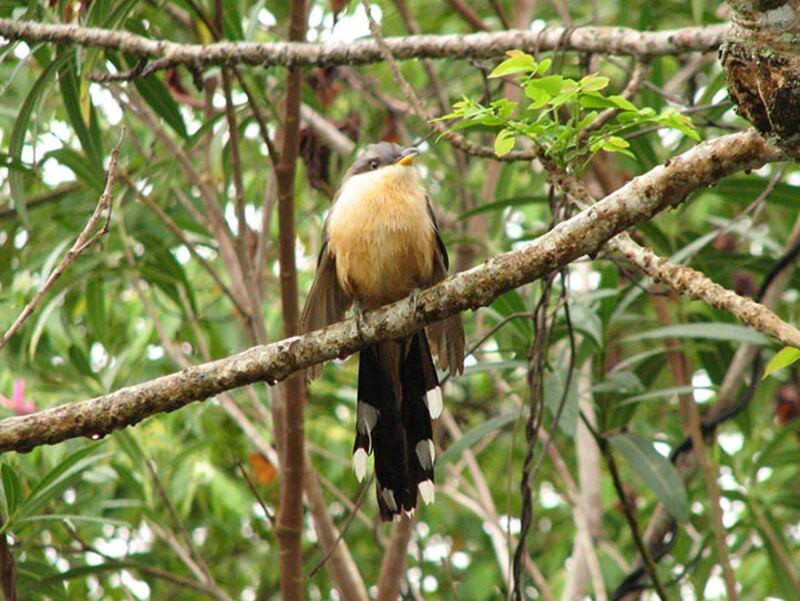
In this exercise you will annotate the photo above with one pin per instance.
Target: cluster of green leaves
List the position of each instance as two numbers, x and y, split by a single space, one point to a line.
558 111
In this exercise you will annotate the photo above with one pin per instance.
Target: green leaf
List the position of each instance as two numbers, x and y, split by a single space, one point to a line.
71 517
17 139
698 6
96 309
554 383
552 84
706 330
504 142
499 205
593 100
537 93
12 491
87 171
623 103
594 83
616 142
661 393
70 84
655 470
544 66
232 20
518 62
158 97
77 357
60 477
783 358
474 436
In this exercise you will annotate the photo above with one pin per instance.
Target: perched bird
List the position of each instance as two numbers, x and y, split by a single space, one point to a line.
380 244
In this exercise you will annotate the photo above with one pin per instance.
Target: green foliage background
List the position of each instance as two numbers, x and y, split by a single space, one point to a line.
93 333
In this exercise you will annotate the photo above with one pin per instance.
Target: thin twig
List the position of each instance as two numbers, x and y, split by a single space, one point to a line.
360 498
251 485
630 516
178 523
84 240
710 480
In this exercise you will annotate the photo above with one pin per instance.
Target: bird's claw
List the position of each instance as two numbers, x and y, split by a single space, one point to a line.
413 299
359 314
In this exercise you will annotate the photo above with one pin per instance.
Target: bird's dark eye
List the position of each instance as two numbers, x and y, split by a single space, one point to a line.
373 164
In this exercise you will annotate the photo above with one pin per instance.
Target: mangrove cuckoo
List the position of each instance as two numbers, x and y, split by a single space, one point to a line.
381 243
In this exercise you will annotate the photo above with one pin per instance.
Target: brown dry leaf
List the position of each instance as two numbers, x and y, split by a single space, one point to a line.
263 471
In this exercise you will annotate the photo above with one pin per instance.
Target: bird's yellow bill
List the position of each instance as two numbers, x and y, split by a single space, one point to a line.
407 156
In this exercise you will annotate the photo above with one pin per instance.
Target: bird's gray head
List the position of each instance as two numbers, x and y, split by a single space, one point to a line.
380 155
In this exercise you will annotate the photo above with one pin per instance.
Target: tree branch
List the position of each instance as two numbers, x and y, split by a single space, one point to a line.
585 233
84 240
291 405
612 40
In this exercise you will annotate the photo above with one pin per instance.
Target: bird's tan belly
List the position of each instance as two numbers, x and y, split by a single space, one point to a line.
381 256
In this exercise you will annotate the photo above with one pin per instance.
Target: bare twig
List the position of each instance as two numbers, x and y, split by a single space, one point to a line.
394 560
710 480
468 14
184 555
85 239
630 516
204 573
39 200
254 491
8 570
212 590
336 140
610 40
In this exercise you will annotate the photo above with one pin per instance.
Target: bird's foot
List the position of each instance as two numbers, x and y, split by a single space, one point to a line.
360 316
413 299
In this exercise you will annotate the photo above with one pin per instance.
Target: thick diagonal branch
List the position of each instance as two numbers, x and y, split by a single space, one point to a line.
643 197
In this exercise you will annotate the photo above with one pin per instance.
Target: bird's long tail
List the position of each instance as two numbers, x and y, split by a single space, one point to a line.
398 394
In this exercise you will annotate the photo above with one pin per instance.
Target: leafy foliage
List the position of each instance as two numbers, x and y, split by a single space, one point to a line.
558 112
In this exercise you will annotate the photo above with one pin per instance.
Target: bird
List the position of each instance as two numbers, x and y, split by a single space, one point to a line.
381 243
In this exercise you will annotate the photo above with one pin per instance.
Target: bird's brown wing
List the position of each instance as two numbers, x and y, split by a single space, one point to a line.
326 302
446 337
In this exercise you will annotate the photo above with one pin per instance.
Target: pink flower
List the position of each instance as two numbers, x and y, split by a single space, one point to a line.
17 402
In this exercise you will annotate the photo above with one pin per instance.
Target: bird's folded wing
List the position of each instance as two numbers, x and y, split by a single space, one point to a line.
446 337
326 302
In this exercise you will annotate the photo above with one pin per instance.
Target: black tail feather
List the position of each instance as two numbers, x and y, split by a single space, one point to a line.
397 383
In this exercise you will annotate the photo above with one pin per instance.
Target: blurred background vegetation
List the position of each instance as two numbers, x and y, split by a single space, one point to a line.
180 506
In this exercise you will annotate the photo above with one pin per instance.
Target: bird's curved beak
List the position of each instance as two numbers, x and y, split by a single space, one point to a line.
407 156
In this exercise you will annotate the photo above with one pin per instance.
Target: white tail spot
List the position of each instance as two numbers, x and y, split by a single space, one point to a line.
366 417
427 491
388 498
433 399
360 464
426 453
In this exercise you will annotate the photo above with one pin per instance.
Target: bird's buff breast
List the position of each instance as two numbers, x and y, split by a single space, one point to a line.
381 236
